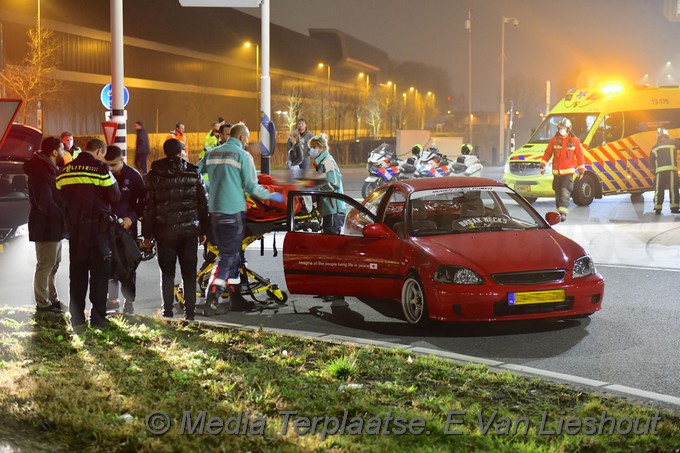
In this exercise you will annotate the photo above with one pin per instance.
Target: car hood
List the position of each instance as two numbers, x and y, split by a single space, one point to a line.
504 251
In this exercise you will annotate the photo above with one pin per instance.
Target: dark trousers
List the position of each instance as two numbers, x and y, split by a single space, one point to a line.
140 163
185 250
127 286
332 223
95 269
666 180
563 186
228 230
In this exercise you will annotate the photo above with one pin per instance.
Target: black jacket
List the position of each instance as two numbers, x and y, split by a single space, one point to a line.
89 189
46 219
132 193
176 202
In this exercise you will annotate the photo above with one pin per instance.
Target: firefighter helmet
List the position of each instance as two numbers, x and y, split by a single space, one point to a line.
662 132
564 122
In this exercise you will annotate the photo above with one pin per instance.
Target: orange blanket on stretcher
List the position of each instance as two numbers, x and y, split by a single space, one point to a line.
268 211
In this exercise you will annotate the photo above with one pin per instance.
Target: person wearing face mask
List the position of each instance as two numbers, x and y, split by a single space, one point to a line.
128 209
331 210
232 174
72 150
567 155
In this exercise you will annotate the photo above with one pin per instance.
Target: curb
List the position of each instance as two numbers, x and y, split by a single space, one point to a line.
593 384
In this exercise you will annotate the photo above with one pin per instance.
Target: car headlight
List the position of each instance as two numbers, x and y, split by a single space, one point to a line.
457 275
22 230
583 267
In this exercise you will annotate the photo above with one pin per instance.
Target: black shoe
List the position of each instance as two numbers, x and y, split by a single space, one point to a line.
167 314
49 309
128 308
100 323
214 294
112 305
657 212
189 317
675 211
57 306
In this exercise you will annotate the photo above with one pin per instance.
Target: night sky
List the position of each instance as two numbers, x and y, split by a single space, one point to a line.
565 41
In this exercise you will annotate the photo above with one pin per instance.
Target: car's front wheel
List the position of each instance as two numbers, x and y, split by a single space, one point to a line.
413 302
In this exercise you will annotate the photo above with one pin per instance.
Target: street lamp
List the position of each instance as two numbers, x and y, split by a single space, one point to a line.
501 119
248 45
468 27
328 79
362 75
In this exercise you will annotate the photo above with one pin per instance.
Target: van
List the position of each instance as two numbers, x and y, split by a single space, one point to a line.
617 129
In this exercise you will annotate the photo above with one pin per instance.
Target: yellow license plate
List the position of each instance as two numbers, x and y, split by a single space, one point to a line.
2 248
536 297
522 188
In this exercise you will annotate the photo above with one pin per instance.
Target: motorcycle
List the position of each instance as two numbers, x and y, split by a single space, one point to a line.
383 166
468 165
433 164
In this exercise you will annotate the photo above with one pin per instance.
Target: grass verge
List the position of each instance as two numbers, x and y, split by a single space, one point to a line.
238 390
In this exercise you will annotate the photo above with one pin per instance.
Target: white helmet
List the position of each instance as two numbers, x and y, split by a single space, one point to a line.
564 122
662 132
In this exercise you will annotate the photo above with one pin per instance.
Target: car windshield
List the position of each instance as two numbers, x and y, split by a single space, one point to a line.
581 123
470 209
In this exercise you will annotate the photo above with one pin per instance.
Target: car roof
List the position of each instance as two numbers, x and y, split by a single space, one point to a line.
21 142
413 185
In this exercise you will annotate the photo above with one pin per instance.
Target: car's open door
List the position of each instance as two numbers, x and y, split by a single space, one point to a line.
362 261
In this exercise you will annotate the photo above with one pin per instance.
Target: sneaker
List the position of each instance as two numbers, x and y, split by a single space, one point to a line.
214 294
128 308
657 212
675 211
112 305
57 306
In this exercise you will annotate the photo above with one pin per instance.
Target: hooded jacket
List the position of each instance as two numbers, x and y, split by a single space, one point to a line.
46 219
176 203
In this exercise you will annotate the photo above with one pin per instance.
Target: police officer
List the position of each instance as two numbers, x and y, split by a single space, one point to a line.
567 155
663 162
89 188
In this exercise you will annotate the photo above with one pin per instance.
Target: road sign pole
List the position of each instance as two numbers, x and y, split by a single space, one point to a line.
117 76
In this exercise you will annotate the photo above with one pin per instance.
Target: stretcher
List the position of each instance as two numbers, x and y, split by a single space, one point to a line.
261 218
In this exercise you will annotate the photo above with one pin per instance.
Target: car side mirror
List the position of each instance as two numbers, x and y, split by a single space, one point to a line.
553 217
378 231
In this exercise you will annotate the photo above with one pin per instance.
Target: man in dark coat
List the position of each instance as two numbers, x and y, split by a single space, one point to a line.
176 216
142 148
128 209
46 221
89 189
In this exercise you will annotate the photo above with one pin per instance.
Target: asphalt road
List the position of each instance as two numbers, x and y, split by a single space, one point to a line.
633 341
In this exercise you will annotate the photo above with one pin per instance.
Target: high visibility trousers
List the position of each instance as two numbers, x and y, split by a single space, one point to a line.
666 180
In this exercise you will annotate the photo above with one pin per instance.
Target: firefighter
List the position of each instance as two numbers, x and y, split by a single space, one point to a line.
567 155
663 162
89 188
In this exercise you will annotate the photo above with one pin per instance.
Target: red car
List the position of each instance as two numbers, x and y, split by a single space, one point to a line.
446 249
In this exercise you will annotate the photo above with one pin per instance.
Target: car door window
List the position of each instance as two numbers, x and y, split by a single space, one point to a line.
356 216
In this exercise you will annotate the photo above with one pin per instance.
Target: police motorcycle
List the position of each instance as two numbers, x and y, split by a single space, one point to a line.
383 166
467 164
433 164
409 168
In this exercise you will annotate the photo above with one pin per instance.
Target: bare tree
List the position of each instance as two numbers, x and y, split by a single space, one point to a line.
375 113
293 106
30 79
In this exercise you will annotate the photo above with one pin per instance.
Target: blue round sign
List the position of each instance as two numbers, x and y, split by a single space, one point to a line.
106 96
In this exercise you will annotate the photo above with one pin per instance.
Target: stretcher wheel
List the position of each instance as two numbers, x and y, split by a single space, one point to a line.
280 296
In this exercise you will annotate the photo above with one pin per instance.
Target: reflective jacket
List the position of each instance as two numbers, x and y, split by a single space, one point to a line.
88 188
664 156
232 173
566 153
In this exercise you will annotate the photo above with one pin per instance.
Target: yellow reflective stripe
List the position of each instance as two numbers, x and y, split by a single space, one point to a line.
67 179
666 168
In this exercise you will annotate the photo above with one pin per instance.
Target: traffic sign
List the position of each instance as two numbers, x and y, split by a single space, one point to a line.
107 94
110 129
8 111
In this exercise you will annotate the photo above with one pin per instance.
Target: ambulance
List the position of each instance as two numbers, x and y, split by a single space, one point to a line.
617 129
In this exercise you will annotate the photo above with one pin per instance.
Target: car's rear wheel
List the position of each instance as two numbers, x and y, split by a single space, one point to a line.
413 302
